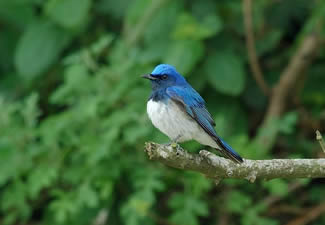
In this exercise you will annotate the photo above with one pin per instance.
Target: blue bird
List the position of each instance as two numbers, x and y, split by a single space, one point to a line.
178 111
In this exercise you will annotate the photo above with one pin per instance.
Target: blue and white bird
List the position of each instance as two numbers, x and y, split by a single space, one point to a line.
178 111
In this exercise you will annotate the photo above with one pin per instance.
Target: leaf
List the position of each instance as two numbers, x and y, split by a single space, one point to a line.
38 48
237 201
162 24
75 76
197 183
87 196
116 9
187 206
314 89
156 43
9 164
226 72
31 111
16 198
184 55
17 14
187 27
136 210
287 122
277 187
41 177
148 179
68 13
135 11
269 41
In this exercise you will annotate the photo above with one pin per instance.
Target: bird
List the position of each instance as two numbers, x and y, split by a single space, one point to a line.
179 111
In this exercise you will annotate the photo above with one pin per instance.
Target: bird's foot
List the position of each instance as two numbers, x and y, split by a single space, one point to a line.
174 142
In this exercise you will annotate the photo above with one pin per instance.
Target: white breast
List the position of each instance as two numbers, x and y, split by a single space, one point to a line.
171 119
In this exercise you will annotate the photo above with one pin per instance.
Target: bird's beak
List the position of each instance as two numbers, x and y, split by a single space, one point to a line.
149 77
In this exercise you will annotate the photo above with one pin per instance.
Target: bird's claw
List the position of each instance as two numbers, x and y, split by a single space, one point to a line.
173 144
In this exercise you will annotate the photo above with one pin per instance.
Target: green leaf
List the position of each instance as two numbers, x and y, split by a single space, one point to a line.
8 41
87 195
277 187
17 14
287 122
162 24
68 13
9 164
187 27
187 206
38 48
116 9
196 183
31 111
136 209
156 44
135 11
16 198
269 41
226 72
237 201
75 75
41 177
184 55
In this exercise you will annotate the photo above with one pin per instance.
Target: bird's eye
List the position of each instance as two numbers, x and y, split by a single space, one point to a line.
164 77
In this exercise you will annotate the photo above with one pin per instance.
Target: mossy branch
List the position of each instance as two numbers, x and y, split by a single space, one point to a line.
218 168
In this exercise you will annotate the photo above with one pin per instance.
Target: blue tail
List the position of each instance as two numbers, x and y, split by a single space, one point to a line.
229 152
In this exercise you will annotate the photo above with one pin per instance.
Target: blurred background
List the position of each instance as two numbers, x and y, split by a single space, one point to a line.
73 117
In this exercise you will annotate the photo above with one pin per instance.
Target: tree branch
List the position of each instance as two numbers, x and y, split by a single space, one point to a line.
250 44
218 168
309 216
294 71
291 74
319 138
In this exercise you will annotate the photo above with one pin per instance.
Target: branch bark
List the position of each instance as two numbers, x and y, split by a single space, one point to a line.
291 74
251 50
294 71
218 168
309 216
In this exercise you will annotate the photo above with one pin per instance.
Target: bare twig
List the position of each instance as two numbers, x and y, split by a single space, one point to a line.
292 73
250 43
271 200
284 209
320 139
216 167
309 216
223 219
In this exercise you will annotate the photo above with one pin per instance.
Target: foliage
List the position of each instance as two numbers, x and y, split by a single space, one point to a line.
72 109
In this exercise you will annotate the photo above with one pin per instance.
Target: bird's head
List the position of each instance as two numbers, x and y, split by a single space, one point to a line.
164 76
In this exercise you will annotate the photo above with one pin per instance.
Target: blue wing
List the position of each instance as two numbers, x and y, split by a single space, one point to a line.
194 105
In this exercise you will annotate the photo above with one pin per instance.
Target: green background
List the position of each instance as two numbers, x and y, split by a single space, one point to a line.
73 117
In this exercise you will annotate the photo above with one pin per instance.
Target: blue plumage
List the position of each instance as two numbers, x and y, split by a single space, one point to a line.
179 111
